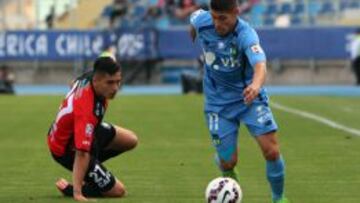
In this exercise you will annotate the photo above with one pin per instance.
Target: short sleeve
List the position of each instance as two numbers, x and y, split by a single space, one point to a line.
195 18
251 46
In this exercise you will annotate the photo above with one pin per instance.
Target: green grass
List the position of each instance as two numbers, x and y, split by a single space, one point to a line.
174 160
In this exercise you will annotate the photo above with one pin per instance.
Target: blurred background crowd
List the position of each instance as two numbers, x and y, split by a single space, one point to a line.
167 14
279 22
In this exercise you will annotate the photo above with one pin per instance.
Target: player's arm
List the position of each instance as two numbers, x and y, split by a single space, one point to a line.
192 33
252 91
250 44
81 163
84 124
195 19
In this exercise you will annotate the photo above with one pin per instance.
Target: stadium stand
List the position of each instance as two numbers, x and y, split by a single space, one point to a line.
163 14
72 18
144 33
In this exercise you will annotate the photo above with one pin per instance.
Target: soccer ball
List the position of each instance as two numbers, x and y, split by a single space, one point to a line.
223 190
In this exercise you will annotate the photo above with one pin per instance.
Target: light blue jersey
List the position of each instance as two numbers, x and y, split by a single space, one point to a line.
229 61
229 69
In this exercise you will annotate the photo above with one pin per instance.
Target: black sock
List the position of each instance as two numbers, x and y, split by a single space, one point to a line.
68 191
87 190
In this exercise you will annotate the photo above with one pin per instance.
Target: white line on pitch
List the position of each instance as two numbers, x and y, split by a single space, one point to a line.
317 118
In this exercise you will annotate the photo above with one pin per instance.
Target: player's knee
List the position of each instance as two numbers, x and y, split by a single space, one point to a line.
118 190
133 140
272 154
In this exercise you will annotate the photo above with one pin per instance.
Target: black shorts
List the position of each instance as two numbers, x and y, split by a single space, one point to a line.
96 175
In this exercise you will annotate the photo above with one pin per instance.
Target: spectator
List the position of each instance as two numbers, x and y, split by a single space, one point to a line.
185 8
160 12
119 10
355 55
6 80
50 18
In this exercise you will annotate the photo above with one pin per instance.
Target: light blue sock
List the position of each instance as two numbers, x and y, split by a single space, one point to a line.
275 171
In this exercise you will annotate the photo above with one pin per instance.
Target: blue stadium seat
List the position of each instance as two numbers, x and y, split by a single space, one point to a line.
354 4
256 14
314 7
344 4
327 8
286 8
299 8
139 11
271 9
258 9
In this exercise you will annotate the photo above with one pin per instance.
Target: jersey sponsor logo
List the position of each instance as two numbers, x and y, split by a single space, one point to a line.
263 115
89 129
256 49
209 58
228 61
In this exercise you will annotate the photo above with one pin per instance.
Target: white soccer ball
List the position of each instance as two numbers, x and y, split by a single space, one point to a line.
223 190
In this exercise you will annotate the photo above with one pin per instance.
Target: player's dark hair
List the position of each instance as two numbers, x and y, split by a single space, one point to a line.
106 65
223 5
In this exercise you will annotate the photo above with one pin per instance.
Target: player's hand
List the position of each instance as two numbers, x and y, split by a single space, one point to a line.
250 93
81 198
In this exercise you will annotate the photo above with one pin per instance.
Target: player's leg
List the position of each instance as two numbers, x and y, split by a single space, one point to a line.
114 140
99 182
224 138
124 140
261 124
275 166
356 67
67 161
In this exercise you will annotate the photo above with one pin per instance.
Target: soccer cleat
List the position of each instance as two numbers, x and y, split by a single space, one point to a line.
282 200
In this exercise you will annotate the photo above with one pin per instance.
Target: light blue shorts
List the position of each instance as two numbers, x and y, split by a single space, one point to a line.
224 125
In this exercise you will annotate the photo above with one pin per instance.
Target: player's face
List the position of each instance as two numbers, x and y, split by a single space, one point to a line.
224 21
107 85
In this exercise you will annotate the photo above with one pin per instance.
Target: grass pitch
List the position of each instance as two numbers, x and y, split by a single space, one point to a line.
174 159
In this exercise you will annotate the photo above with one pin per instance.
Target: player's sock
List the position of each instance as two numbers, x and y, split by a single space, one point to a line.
275 174
87 190
227 173
68 191
231 174
90 191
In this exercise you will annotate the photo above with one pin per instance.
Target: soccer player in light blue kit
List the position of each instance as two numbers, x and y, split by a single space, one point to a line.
235 71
